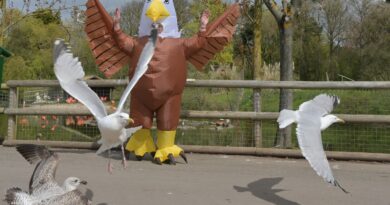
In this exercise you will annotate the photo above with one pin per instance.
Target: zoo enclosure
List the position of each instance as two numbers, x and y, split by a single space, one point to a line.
249 130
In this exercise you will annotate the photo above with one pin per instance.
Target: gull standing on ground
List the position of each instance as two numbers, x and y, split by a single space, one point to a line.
43 189
70 74
312 117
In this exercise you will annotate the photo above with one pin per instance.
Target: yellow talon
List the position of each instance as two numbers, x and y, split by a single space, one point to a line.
141 142
166 146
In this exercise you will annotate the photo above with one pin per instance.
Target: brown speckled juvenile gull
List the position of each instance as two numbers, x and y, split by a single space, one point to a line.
43 188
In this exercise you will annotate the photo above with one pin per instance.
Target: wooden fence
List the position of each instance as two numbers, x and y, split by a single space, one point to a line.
256 116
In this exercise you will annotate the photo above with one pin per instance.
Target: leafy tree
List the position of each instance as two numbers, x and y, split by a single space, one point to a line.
334 21
368 40
47 16
33 54
309 51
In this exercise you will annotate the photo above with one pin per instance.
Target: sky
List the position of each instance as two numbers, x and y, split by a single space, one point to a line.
110 5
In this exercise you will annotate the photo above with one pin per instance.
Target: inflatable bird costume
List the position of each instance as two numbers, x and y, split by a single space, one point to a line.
158 92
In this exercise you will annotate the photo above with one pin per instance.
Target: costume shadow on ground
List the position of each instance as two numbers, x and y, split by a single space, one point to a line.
262 189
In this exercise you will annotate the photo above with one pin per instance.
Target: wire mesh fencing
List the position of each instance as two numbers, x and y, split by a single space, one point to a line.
3 98
351 137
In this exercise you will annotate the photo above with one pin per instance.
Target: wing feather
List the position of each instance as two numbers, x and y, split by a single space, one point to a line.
310 143
47 162
218 35
98 28
142 65
74 197
320 105
70 74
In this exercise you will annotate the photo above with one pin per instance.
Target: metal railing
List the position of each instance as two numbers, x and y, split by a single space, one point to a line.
256 117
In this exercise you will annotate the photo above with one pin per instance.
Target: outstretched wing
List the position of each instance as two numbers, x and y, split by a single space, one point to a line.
320 105
310 143
142 66
70 74
98 27
309 134
218 35
47 162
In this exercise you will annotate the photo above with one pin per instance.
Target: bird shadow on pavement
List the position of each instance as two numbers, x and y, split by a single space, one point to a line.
262 189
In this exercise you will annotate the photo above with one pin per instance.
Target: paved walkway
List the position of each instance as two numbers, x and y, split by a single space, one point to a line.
209 180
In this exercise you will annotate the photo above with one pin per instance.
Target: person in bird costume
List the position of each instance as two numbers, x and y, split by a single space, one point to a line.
158 92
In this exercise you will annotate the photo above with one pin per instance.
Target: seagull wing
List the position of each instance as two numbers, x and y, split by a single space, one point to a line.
74 197
46 160
310 143
142 66
70 74
309 133
320 105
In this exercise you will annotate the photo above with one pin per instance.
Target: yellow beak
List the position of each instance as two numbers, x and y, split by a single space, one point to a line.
340 120
130 121
157 11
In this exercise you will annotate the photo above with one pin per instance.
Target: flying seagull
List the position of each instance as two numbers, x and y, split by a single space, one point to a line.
312 117
70 74
43 189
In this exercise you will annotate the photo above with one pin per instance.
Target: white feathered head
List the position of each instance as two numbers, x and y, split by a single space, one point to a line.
163 12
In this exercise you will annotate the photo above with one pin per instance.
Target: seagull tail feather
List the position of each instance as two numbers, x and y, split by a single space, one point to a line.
102 148
11 196
286 117
106 146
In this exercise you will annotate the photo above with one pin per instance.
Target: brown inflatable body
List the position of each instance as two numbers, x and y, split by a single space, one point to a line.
159 90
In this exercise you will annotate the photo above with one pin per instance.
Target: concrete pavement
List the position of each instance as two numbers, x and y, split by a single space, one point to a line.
209 179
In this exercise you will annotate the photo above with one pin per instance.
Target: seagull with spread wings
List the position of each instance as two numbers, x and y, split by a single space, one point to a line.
43 188
312 117
70 74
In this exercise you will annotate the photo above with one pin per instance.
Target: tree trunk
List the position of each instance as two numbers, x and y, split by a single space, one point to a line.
286 74
284 19
258 71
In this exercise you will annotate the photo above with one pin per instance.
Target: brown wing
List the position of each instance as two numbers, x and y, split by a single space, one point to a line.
98 27
218 35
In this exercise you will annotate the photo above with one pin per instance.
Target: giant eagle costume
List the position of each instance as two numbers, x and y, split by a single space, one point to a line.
158 92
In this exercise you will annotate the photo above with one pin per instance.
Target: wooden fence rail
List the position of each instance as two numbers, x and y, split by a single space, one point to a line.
257 115
227 84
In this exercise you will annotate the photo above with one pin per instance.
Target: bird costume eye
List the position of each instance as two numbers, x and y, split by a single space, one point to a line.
148 1
166 1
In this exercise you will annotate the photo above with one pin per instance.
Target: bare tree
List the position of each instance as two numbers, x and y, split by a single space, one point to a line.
334 18
284 19
130 16
357 32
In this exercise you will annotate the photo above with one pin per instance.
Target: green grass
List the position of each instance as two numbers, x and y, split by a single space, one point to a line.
3 127
346 137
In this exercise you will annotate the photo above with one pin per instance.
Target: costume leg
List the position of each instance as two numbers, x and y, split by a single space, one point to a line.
141 142
167 121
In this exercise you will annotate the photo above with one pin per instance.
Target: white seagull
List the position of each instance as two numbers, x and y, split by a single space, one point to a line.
70 74
43 189
312 117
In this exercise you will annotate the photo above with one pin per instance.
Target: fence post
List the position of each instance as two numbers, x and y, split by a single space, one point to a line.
257 123
13 103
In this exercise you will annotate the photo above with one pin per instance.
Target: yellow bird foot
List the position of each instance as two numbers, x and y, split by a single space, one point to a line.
140 143
168 155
